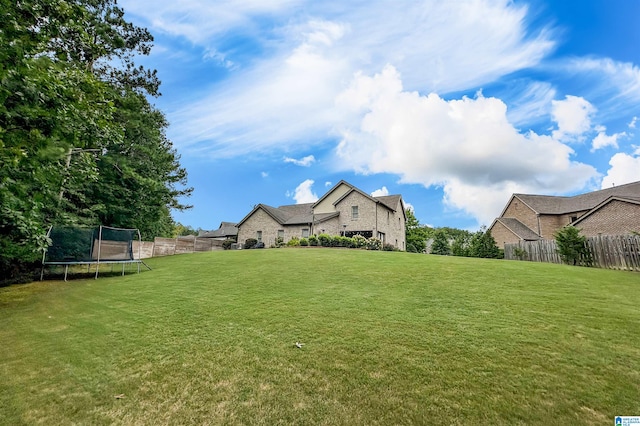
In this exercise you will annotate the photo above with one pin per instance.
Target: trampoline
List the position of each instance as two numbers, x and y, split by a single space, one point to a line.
91 246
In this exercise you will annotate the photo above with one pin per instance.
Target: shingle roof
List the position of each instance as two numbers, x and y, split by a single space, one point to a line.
547 204
226 229
519 228
390 201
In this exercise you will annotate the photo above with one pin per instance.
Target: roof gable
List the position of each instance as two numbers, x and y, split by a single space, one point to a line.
631 200
549 204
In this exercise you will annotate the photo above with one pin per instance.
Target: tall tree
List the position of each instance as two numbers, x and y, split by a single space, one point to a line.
70 92
416 234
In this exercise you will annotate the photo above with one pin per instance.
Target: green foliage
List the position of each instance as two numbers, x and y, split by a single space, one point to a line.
181 230
250 243
572 247
484 245
80 144
313 240
520 253
374 244
279 242
358 241
324 240
226 244
416 234
440 243
304 242
411 248
293 242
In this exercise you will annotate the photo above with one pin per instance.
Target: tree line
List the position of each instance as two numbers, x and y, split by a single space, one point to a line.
80 141
449 241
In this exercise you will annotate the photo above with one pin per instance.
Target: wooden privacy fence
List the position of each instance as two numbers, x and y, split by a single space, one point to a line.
181 245
607 251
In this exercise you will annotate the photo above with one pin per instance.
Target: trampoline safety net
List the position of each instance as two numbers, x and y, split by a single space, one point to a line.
103 244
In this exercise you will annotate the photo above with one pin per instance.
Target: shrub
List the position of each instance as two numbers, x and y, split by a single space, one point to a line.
304 242
226 244
250 243
411 248
293 242
313 240
374 244
359 241
520 253
389 247
324 240
572 247
279 242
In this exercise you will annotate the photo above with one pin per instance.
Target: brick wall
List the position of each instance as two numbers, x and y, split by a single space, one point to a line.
260 221
518 210
502 235
615 218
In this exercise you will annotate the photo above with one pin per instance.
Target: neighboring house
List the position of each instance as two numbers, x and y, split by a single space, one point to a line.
612 211
226 231
343 210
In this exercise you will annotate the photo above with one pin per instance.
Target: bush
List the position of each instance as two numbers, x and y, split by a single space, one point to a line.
374 244
293 242
226 244
279 242
359 241
250 243
572 247
313 240
389 247
304 242
324 240
411 248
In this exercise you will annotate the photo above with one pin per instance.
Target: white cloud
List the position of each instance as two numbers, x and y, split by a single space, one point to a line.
602 140
380 192
304 162
409 206
264 174
632 124
623 76
625 168
286 98
304 194
573 116
466 146
327 184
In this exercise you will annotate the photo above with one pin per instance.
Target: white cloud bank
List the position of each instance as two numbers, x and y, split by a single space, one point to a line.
466 146
625 168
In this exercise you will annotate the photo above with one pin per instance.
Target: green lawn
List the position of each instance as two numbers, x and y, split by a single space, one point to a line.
389 338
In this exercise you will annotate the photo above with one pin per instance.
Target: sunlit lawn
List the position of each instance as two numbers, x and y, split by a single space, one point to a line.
389 338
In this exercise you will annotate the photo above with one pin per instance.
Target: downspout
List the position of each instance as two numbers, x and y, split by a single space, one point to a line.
539 227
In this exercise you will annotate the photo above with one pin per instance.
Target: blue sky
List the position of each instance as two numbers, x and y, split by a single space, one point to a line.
454 105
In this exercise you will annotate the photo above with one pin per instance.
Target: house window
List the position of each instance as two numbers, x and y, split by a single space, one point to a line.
305 232
388 216
259 236
574 218
381 236
281 233
354 212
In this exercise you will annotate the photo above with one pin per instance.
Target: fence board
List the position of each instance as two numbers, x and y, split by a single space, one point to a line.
608 251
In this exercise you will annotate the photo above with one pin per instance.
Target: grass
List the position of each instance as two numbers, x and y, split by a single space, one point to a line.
389 338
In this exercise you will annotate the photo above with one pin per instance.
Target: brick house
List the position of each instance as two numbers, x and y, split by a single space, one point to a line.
343 210
526 217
